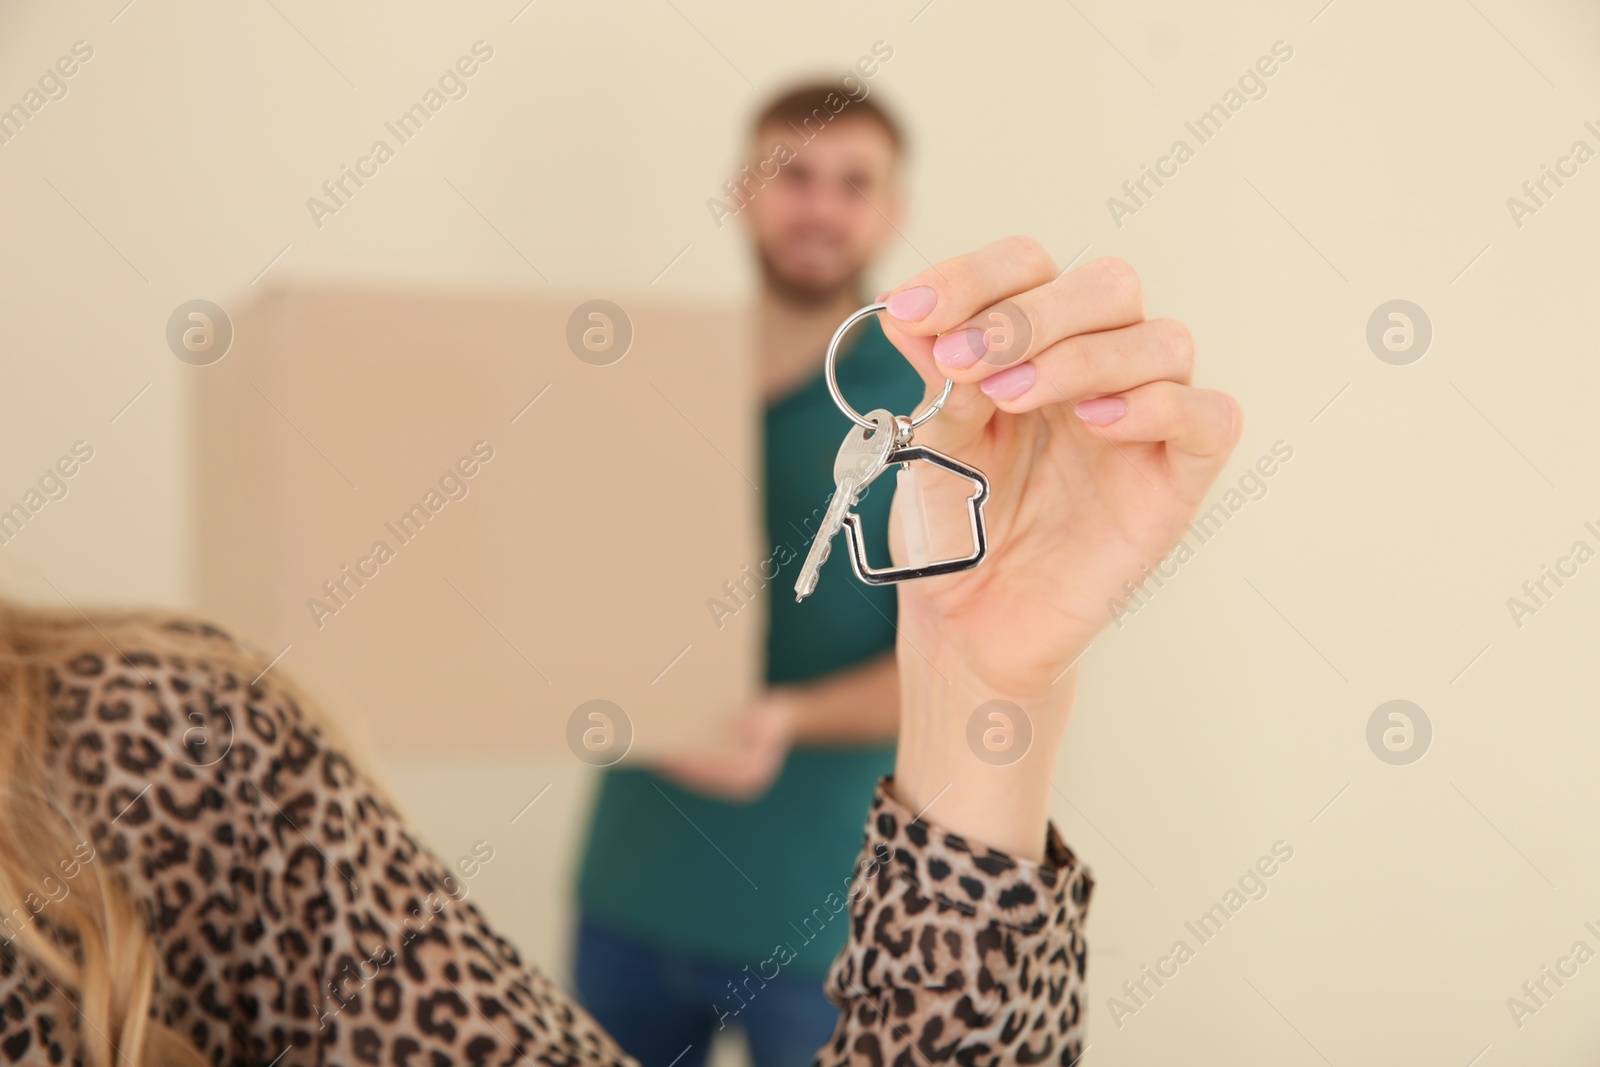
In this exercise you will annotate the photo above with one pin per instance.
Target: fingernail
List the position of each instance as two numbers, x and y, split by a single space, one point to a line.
1011 382
1102 411
913 304
960 348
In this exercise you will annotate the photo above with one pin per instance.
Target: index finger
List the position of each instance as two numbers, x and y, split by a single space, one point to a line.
950 293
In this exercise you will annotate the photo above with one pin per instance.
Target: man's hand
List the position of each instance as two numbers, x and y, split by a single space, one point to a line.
746 765
1098 452
853 707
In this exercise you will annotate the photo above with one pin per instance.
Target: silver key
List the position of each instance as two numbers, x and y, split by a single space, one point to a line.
861 459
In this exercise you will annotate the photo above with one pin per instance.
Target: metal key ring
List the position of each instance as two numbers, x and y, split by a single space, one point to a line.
833 382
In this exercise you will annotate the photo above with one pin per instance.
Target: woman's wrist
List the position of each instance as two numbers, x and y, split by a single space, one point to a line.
975 760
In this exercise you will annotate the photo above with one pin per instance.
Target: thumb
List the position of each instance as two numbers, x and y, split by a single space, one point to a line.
966 412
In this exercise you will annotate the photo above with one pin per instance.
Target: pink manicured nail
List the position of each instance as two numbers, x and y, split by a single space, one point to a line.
1102 411
961 348
1011 382
913 304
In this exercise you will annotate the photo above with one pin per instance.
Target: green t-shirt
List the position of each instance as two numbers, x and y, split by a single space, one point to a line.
731 882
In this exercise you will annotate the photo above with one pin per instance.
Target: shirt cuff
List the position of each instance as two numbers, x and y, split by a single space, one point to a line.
953 873
957 949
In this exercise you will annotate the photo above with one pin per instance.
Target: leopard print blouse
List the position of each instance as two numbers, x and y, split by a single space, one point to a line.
298 920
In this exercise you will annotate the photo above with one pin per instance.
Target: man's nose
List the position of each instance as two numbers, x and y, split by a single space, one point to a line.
831 201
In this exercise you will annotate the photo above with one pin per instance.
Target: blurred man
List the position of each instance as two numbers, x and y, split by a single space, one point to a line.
712 889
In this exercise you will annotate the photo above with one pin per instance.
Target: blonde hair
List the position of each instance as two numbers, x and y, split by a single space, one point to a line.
96 945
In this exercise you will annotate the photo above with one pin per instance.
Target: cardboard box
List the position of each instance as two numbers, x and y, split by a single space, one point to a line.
464 527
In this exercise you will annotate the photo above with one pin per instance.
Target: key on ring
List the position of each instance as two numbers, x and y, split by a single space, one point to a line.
861 458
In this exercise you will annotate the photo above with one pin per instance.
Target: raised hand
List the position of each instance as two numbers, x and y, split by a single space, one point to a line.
1098 451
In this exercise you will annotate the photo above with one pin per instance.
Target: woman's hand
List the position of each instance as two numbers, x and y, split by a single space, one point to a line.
1098 452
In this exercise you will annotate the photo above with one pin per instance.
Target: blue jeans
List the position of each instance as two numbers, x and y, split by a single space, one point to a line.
664 1007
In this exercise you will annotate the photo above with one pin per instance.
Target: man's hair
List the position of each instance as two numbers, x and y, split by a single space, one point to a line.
810 107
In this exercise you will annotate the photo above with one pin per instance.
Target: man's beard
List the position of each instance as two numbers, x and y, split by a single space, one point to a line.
803 293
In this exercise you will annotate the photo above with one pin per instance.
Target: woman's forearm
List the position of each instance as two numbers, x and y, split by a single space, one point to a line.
977 762
967 910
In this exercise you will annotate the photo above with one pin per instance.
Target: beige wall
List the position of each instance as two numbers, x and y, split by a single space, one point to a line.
1222 718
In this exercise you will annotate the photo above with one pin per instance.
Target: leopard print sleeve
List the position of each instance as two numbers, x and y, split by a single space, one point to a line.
296 918
958 954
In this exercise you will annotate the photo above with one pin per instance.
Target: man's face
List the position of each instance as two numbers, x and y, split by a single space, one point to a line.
831 207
